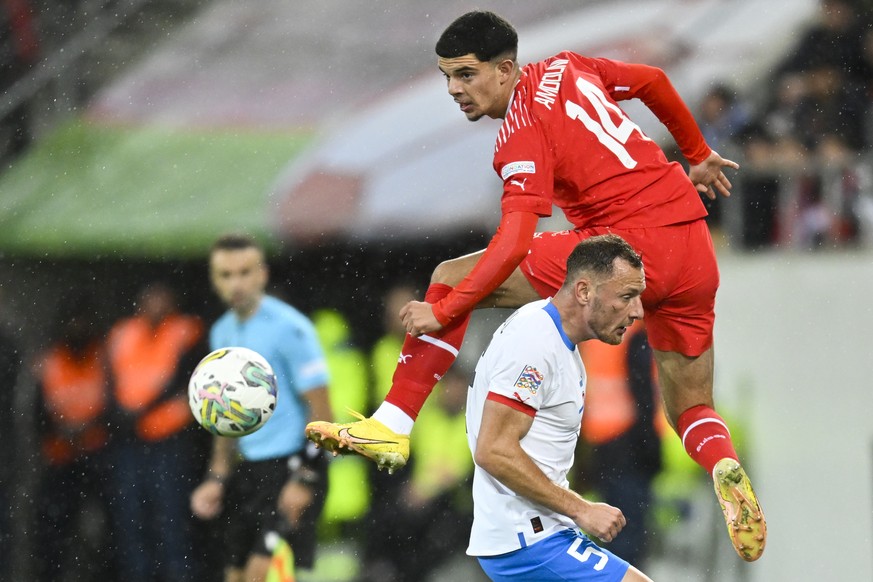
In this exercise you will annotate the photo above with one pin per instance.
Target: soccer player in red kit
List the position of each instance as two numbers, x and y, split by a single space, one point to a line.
565 141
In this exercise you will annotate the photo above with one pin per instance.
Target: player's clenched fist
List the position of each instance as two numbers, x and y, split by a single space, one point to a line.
206 500
601 520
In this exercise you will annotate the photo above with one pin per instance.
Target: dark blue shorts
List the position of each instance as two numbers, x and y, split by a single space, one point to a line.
566 555
251 497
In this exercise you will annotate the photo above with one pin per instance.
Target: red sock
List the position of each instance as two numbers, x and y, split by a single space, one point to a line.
423 360
705 436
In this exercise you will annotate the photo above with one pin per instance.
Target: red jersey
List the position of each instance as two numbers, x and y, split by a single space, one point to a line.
564 140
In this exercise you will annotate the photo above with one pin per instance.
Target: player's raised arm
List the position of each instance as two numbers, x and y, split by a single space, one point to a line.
652 86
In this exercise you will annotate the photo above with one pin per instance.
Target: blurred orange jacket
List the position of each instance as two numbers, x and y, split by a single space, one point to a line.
74 395
610 408
144 361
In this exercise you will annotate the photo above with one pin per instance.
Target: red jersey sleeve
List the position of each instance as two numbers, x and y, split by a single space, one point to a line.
651 86
523 160
504 253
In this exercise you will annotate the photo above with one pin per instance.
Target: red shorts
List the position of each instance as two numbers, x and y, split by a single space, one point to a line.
681 278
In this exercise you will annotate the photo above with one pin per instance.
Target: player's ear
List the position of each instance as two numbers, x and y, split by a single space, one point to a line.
505 68
582 289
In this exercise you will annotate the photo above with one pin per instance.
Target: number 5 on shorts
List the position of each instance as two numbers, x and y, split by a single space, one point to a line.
589 551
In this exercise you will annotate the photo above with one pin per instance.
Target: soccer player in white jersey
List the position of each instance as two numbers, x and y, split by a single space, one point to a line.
524 411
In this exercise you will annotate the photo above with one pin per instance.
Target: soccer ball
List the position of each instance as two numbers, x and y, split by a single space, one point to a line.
232 392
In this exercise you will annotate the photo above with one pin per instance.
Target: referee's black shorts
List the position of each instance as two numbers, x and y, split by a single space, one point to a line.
253 522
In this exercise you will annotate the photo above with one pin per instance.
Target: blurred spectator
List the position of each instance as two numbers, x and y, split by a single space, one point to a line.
619 426
19 51
779 117
832 103
10 363
433 507
386 350
833 198
436 508
386 489
803 181
151 356
759 186
74 434
835 39
348 495
722 117
815 224
867 87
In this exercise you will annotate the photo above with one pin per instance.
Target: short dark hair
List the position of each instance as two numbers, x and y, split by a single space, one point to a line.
235 241
481 33
597 255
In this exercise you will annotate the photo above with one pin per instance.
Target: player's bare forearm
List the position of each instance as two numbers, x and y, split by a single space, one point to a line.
419 319
709 178
207 498
222 454
499 452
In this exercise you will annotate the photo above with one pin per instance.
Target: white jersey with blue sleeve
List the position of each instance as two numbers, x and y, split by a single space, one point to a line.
532 366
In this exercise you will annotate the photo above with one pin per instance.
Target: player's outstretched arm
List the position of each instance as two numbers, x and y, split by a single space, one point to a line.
708 176
499 452
508 247
651 85
206 499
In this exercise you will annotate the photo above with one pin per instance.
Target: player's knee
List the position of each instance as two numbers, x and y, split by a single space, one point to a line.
448 273
439 273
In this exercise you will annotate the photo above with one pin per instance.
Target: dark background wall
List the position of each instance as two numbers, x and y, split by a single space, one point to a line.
345 276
